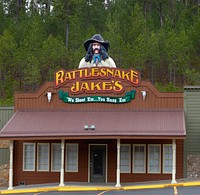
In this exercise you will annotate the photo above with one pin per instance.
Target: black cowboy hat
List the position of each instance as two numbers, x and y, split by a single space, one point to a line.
96 38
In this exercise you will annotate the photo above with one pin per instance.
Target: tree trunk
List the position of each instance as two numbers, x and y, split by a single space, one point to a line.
67 35
174 79
48 6
161 14
145 9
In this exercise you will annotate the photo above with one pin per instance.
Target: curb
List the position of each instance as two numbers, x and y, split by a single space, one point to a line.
98 188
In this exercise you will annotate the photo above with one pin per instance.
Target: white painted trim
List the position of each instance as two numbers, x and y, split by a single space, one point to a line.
38 145
118 165
10 187
159 171
24 144
52 156
62 163
174 161
164 145
145 168
77 145
129 155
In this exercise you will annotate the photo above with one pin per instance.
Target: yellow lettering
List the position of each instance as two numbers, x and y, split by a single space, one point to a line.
126 76
87 73
59 77
95 72
111 72
103 72
118 74
84 86
75 87
134 77
95 86
68 76
118 87
106 86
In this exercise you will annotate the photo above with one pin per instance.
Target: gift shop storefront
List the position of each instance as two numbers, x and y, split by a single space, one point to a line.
96 125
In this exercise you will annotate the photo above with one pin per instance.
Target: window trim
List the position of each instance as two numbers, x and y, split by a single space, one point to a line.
24 144
129 167
164 172
77 155
145 166
41 170
159 171
52 156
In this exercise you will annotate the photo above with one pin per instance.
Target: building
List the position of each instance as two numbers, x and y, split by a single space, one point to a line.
192 145
96 125
5 115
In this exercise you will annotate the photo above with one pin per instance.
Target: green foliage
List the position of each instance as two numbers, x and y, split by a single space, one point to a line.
159 37
168 88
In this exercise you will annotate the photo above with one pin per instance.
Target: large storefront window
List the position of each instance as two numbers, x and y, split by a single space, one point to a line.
56 157
167 158
139 158
43 157
72 157
154 158
125 158
29 157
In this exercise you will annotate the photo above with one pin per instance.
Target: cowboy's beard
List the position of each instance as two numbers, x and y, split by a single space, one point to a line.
96 51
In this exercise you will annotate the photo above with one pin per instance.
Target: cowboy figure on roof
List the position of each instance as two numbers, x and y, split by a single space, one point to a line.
96 53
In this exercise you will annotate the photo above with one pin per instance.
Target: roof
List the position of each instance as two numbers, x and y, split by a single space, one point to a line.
108 124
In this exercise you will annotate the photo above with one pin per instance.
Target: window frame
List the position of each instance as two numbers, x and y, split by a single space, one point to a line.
77 157
52 157
129 156
34 164
48 165
159 163
145 166
165 172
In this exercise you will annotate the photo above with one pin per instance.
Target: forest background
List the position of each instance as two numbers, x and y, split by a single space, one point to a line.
160 38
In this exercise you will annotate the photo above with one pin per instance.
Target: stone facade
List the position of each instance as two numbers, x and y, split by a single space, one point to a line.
4 168
4 175
193 166
4 143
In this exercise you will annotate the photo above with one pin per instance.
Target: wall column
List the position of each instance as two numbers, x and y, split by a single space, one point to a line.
174 161
62 163
10 187
118 164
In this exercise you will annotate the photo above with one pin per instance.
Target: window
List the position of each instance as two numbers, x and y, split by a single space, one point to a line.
72 158
4 156
28 157
125 158
154 158
167 158
56 157
139 158
43 156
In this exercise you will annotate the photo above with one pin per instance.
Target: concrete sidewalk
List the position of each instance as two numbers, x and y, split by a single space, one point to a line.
98 187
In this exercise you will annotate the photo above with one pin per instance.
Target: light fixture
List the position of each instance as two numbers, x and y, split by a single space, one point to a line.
87 127
49 96
144 95
92 127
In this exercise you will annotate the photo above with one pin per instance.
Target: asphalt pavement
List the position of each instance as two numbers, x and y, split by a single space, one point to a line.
76 187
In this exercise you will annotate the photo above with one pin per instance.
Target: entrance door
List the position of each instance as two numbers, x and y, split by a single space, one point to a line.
97 163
